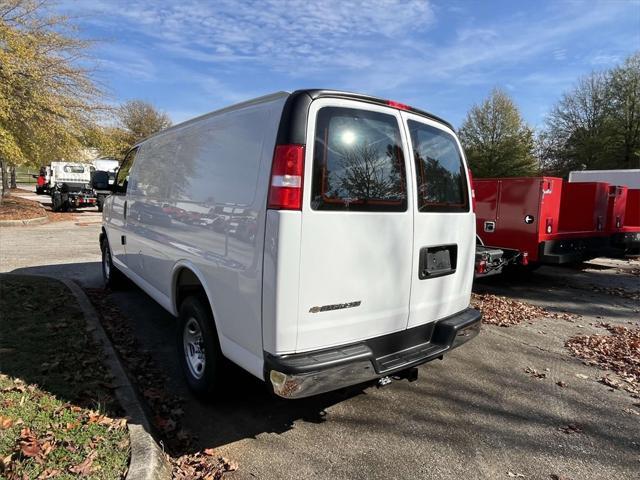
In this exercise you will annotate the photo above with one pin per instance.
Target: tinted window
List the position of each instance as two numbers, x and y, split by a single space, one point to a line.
73 169
358 163
441 177
125 168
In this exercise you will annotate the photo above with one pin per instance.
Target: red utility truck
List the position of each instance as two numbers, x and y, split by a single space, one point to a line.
538 220
623 224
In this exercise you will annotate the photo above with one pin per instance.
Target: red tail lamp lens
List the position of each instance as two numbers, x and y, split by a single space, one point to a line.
398 105
287 175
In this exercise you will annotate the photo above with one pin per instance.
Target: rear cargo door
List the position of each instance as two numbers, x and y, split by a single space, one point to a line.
444 225
357 225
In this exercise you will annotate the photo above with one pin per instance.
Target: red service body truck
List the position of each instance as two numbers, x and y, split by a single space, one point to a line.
623 225
538 220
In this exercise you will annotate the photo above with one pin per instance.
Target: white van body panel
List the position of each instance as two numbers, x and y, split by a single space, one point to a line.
629 178
436 298
281 281
186 210
352 256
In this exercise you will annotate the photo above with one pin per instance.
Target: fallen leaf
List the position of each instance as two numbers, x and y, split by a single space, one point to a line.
5 422
571 428
85 467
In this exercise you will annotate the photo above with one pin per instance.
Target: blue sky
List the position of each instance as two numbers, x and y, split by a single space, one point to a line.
190 57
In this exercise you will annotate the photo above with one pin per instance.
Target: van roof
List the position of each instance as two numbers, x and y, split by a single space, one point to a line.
319 93
299 100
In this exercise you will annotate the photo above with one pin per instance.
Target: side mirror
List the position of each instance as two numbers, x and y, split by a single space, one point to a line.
100 180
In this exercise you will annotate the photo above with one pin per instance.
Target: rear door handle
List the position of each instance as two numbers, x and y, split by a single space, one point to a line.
437 261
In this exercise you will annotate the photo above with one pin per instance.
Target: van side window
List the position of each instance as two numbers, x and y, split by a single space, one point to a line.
358 162
123 171
441 177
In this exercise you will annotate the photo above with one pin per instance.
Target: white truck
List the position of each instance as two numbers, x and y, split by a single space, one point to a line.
341 246
70 186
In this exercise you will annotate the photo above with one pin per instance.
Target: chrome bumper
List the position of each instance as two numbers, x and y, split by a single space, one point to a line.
310 373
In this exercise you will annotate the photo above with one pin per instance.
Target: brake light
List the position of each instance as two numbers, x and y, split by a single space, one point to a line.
287 174
398 105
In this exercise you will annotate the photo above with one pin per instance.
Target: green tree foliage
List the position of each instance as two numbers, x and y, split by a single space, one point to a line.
497 142
140 119
596 125
135 120
47 97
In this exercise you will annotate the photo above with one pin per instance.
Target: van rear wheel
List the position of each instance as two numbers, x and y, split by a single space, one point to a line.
198 347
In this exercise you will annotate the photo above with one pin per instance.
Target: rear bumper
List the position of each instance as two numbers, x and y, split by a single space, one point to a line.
571 250
626 240
311 373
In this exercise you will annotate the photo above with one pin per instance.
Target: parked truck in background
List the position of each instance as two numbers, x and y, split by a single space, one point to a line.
109 165
70 186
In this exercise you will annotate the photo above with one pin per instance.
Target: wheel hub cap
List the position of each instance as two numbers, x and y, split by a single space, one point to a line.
193 344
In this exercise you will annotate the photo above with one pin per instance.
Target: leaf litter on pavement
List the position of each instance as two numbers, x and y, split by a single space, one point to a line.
505 312
165 406
619 352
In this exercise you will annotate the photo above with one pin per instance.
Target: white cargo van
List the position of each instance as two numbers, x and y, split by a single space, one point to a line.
317 239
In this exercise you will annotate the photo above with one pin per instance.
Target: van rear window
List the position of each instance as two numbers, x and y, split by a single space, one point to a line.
358 162
441 177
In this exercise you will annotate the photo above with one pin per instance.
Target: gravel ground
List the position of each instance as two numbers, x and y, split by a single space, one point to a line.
477 414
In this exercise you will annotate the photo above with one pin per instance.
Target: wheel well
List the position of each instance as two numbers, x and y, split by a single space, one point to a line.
187 284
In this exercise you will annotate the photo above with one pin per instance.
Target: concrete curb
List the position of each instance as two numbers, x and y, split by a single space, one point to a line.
26 221
148 462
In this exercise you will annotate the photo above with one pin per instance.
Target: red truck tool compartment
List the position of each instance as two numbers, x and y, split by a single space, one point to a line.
515 213
616 208
627 237
583 208
632 210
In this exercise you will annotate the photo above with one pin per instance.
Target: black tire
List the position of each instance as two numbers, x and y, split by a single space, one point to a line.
112 277
100 203
56 201
197 339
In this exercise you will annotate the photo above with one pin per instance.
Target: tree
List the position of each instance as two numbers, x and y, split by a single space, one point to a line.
577 129
47 97
596 125
496 139
140 119
624 110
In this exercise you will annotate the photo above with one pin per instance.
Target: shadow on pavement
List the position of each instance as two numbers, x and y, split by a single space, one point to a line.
478 399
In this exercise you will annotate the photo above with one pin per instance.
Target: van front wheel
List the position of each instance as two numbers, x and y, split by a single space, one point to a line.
198 347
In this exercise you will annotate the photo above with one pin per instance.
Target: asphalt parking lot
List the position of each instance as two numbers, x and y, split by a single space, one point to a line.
476 414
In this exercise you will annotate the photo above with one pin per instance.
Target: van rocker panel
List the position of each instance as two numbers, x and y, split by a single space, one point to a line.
387 354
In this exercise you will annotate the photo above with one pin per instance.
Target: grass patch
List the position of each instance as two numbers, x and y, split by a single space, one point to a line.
58 416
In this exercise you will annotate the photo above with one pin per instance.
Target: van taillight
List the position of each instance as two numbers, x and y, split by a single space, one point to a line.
287 173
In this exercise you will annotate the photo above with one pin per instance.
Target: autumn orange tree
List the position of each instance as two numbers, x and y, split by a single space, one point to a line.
47 96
